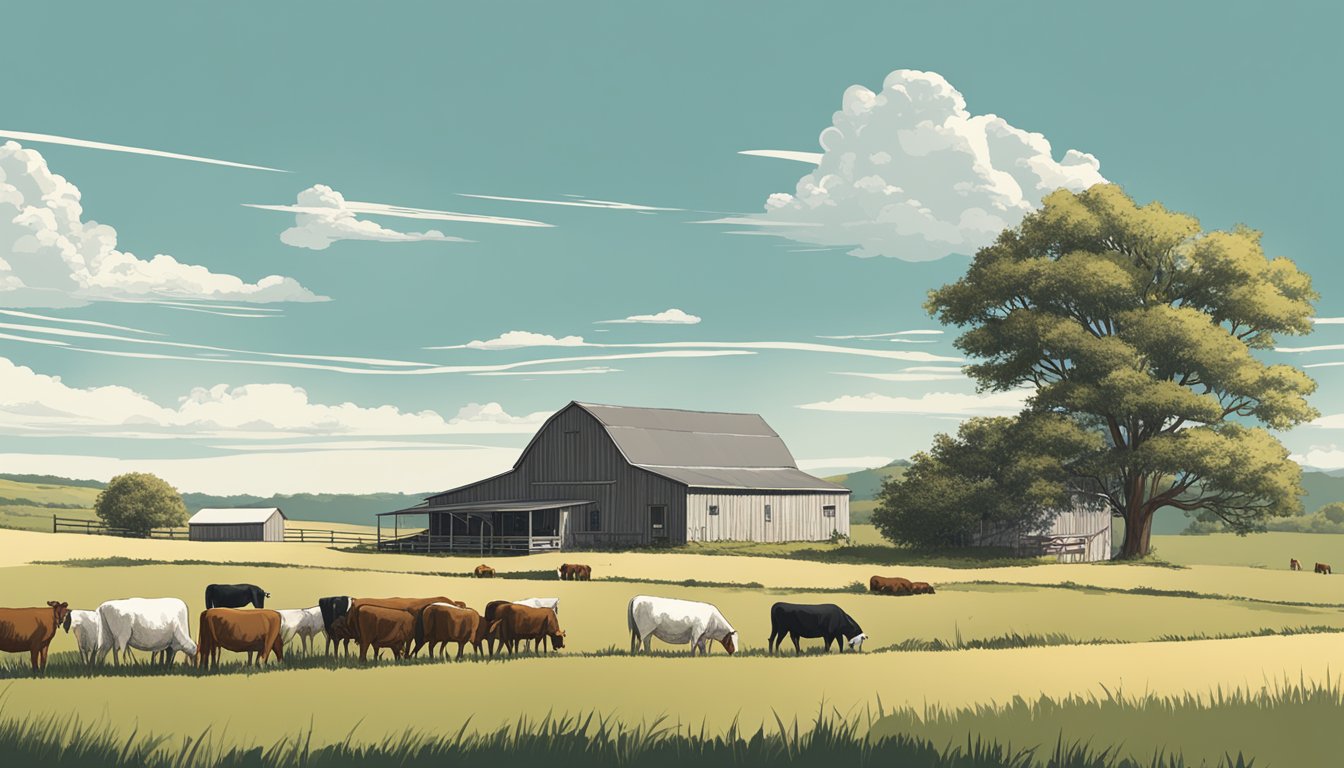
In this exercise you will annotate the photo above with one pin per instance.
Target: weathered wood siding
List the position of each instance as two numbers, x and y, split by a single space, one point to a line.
572 457
272 530
1092 522
796 516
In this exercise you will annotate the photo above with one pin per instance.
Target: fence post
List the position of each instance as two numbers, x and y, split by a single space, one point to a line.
53 523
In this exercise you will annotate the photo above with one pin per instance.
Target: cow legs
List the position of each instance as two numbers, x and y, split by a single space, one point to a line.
460 648
797 649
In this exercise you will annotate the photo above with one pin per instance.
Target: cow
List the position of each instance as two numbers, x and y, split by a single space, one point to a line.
484 571
413 605
445 623
230 629
541 602
305 623
31 630
334 625
1323 569
157 624
514 622
677 622
891 585
380 627
574 572
488 616
921 588
828 622
87 627
235 596
1294 565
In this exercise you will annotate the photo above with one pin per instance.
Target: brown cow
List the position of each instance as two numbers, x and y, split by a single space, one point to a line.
1323 568
232 629
574 572
891 585
484 571
340 634
381 627
444 624
515 622
1293 565
414 605
31 630
488 617
921 588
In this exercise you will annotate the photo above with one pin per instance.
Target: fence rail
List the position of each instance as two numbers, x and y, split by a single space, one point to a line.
292 535
427 542
328 536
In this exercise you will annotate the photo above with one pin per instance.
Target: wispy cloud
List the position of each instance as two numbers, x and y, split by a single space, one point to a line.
911 374
813 158
1318 348
322 217
885 335
46 138
576 202
928 404
72 321
672 316
590 370
849 462
1328 320
403 212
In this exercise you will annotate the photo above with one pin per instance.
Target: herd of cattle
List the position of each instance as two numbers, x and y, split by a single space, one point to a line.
1322 568
236 619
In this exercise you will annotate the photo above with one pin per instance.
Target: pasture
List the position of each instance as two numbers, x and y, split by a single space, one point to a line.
988 636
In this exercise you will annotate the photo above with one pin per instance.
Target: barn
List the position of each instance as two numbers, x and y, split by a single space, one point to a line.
237 524
609 476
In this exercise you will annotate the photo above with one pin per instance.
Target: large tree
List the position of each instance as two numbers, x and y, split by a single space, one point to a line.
1135 322
139 502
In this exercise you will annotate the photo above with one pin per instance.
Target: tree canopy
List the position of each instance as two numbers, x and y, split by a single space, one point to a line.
139 502
1134 322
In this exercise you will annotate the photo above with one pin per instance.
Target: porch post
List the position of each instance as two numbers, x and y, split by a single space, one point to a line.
530 514
380 531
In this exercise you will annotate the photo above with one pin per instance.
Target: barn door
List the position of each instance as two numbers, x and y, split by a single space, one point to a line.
658 522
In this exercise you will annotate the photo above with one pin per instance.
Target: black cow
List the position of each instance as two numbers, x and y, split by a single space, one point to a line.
235 596
334 608
827 621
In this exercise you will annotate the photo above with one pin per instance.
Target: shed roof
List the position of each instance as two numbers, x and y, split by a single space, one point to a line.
233 515
487 506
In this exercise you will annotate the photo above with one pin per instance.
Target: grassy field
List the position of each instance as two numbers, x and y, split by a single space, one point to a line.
29 506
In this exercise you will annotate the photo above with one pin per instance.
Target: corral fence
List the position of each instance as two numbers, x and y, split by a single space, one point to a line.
295 535
328 536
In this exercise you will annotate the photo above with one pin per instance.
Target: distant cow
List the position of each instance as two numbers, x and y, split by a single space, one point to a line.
677 622
229 629
484 572
445 623
157 624
1323 568
87 627
574 572
827 622
334 625
1293 565
31 630
891 585
304 623
235 596
921 588
380 627
514 622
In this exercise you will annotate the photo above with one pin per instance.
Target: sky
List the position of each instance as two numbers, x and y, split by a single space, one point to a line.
274 248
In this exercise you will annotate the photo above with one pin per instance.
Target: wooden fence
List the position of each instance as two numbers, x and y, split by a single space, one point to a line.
328 536
294 535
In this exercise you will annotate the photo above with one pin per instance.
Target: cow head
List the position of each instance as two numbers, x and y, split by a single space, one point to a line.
61 611
856 642
729 642
558 640
560 572
66 624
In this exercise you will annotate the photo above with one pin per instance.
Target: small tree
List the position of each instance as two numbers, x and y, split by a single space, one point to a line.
1334 512
138 501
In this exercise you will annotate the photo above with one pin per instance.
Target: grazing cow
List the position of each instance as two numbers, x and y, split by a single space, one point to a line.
334 625
488 616
1293 565
1323 568
413 605
677 622
541 602
31 630
445 623
305 623
157 625
921 588
826 621
229 629
574 572
514 622
484 571
891 585
380 627
87 627
235 596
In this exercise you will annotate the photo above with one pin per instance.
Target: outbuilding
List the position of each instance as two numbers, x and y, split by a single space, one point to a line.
237 524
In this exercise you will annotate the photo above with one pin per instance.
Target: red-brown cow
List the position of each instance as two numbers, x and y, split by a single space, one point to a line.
891 585
515 622
31 630
444 624
232 629
921 588
381 627
414 605
1294 565
1323 568
484 571
574 572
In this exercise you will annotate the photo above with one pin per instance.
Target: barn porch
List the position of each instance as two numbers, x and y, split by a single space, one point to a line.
519 527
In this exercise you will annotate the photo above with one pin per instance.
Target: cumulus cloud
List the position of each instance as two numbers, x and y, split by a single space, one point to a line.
910 173
322 217
672 316
52 257
36 404
1326 457
929 404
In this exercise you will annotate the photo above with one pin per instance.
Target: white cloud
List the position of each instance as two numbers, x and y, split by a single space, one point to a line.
403 212
812 158
844 464
52 257
929 404
911 374
1329 421
1325 457
323 217
521 340
576 201
46 138
588 370
1328 320
884 335
909 173
672 316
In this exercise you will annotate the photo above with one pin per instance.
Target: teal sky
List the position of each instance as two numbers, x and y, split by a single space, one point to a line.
1227 111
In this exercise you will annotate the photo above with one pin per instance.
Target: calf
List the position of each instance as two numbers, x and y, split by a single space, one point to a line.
891 585
380 627
515 622
1293 565
1323 568
235 596
484 571
229 629
87 627
445 623
826 621
31 630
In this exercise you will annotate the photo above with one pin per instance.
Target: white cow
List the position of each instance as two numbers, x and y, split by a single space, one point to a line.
147 624
541 602
677 622
304 622
87 627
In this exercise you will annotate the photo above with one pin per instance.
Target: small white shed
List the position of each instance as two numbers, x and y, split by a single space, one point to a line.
237 524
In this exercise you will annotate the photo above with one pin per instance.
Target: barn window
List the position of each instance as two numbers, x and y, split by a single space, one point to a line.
594 519
713 509
767 513
828 511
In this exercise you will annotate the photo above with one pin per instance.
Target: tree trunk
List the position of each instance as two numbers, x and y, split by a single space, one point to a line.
1138 533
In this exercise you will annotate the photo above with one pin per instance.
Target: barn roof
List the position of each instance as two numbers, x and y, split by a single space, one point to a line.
233 515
